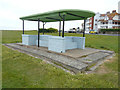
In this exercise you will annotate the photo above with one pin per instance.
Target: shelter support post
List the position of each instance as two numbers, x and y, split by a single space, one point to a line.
63 25
23 26
60 28
43 28
38 30
84 28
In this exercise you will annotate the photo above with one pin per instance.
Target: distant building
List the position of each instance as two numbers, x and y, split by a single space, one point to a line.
101 21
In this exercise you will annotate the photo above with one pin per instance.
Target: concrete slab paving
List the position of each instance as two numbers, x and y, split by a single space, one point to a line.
94 57
80 52
76 60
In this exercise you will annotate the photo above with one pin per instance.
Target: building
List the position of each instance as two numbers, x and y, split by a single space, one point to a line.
89 24
103 21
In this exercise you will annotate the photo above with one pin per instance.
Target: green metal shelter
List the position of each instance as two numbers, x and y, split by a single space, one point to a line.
59 15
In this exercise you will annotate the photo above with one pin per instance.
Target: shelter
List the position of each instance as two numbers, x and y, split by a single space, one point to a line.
58 15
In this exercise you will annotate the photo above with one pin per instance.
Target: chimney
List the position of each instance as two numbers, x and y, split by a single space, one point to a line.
114 11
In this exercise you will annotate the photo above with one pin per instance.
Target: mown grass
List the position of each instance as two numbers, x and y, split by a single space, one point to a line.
23 71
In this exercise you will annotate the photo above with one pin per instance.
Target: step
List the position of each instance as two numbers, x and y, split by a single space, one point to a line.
93 58
68 62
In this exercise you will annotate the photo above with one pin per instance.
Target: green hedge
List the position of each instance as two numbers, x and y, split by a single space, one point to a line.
49 30
103 30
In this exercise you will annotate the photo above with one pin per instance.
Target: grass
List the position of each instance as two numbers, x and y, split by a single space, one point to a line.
22 71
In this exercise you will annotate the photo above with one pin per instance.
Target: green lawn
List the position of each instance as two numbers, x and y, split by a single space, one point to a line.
23 71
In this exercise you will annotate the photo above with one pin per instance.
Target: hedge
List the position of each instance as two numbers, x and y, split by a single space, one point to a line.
103 30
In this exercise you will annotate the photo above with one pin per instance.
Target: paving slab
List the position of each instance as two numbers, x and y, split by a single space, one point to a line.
92 58
80 52
76 60
68 62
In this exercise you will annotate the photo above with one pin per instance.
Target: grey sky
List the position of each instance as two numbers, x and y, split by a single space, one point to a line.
11 10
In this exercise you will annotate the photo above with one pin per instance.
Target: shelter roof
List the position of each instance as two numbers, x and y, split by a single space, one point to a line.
57 15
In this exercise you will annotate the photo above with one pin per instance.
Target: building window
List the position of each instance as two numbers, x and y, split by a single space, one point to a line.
116 23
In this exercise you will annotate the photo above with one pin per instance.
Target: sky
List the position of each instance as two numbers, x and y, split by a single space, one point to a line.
12 10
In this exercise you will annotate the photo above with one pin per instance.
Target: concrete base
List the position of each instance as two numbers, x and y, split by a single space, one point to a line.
75 60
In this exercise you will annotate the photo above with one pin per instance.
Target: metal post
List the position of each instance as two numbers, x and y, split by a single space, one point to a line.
43 28
84 29
63 25
60 28
38 31
23 26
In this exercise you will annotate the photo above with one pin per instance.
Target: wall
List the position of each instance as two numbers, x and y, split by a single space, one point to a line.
29 39
55 43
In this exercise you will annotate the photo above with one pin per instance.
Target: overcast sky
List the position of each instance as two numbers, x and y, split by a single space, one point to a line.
11 10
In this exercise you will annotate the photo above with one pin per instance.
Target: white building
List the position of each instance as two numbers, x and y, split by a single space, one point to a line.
101 21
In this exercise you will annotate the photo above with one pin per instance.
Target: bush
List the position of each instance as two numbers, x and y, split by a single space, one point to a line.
52 30
49 30
103 30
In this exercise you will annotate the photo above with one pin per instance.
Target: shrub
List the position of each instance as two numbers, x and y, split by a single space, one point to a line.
49 30
52 30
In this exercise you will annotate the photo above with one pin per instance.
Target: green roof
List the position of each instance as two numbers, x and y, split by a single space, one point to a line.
52 16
